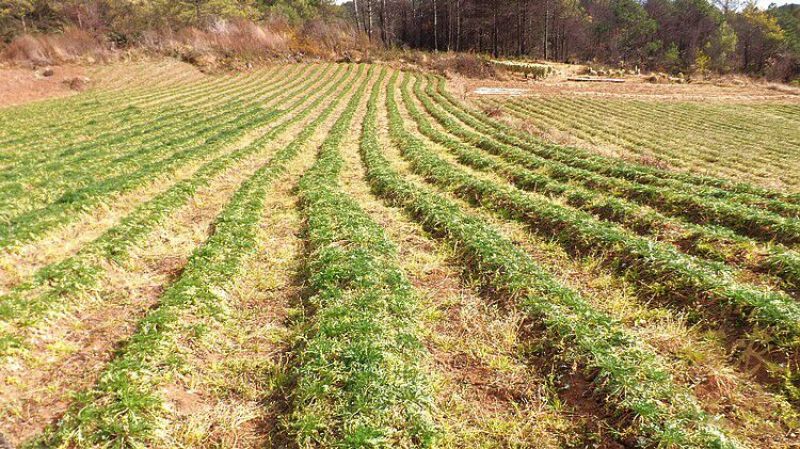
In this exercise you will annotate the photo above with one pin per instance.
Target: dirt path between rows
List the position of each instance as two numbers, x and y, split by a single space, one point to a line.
480 381
70 351
20 86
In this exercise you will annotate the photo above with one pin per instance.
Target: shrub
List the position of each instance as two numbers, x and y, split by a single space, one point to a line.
467 64
72 45
222 43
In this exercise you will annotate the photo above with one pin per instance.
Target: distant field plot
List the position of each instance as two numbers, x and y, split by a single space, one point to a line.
754 141
347 256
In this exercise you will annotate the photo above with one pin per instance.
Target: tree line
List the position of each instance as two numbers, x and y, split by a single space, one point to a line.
671 35
125 20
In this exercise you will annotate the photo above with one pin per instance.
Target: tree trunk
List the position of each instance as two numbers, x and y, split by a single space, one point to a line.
384 30
494 33
520 33
369 20
358 17
546 29
747 56
415 23
449 25
458 25
404 35
435 27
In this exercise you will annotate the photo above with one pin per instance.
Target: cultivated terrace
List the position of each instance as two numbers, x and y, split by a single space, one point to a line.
350 255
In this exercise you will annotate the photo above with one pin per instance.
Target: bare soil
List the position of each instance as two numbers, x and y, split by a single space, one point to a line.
727 89
20 86
69 353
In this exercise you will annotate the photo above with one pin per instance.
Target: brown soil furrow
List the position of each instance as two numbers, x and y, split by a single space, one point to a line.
223 397
19 264
229 392
487 396
69 351
699 358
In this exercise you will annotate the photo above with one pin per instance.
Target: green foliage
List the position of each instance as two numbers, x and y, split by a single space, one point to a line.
760 36
359 383
672 58
652 50
722 48
763 23
297 10
628 28
125 407
634 24
14 17
633 377
702 62
788 18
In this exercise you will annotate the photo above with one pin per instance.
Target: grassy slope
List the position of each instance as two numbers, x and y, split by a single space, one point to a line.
549 249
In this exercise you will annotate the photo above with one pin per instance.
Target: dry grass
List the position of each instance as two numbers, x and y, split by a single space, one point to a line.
699 358
332 40
469 65
70 349
222 45
487 396
71 46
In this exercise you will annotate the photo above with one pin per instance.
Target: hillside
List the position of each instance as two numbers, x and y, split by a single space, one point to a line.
339 255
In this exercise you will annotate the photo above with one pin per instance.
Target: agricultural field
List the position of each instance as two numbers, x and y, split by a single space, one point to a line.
329 255
755 139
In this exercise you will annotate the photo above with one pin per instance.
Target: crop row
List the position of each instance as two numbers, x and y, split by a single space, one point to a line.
680 146
104 156
695 239
91 108
679 150
667 269
788 209
28 226
67 116
701 185
750 120
358 378
44 182
634 379
126 128
82 271
621 169
740 125
592 171
100 159
124 408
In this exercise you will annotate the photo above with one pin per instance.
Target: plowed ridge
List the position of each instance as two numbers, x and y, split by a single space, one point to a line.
347 256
